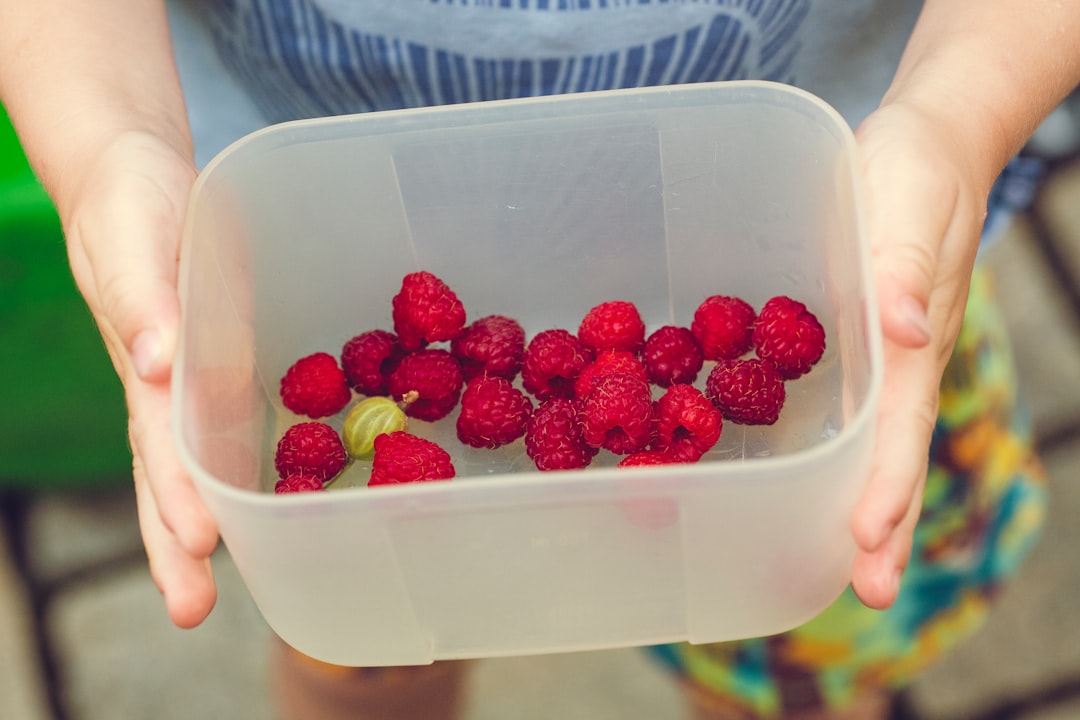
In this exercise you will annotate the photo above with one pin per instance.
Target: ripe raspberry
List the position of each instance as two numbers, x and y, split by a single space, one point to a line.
606 363
673 356
746 392
298 483
613 325
789 336
553 436
723 325
648 457
618 414
553 361
435 376
404 458
315 386
493 412
687 423
494 345
426 310
369 358
311 448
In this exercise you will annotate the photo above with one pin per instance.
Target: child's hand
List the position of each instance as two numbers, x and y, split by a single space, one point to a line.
123 229
93 90
925 209
973 84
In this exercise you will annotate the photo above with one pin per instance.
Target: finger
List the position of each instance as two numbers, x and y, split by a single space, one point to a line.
905 425
876 576
185 582
183 513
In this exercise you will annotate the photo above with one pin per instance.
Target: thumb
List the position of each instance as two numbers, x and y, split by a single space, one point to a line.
906 238
125 262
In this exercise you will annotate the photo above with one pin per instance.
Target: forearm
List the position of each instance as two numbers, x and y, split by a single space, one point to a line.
988 71
73 75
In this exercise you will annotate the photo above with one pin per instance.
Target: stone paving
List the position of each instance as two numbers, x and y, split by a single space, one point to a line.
112 654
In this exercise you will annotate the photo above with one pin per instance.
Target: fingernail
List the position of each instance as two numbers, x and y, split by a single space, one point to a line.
145 352
914 314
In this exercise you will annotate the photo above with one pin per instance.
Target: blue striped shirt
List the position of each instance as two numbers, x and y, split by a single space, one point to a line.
306 58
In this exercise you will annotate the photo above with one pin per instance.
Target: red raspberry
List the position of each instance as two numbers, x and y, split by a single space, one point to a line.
613 325
298 483
553 437
789 336
618 414
426 310
315 386
553 361
368 359
723 325
648 457
687 423
494 345
606 363
746 392
311 448
435 376
404 458
493 412
673 356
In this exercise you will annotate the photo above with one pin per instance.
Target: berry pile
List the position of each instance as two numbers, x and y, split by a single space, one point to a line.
567 395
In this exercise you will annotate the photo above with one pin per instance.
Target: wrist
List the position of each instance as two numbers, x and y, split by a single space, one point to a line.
985 74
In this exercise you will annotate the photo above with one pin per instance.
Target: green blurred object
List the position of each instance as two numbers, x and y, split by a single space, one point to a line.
63 422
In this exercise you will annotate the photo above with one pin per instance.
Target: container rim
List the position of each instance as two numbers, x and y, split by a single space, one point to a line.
864 418
420 117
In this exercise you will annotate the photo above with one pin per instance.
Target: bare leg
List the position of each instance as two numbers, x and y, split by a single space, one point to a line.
307 689
707 706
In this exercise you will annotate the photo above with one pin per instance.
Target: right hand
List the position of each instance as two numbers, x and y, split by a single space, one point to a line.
123 223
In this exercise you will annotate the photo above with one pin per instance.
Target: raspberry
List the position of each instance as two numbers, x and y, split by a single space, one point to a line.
435 376
687 423
673 356
426 310
315 386
494 345
493 412
553 361
553 436
789 336
298 483
648 457
613 325
723 325
606 363
618 414
746 392
368 359
311 448
404 458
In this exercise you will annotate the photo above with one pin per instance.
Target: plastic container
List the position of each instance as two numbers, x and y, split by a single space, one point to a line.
298 236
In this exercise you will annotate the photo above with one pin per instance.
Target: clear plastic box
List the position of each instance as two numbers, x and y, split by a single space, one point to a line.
298 236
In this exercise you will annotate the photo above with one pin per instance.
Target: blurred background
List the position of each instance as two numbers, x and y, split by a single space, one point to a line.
84 634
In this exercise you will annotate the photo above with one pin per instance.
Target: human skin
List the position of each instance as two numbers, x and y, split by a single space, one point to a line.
93 91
